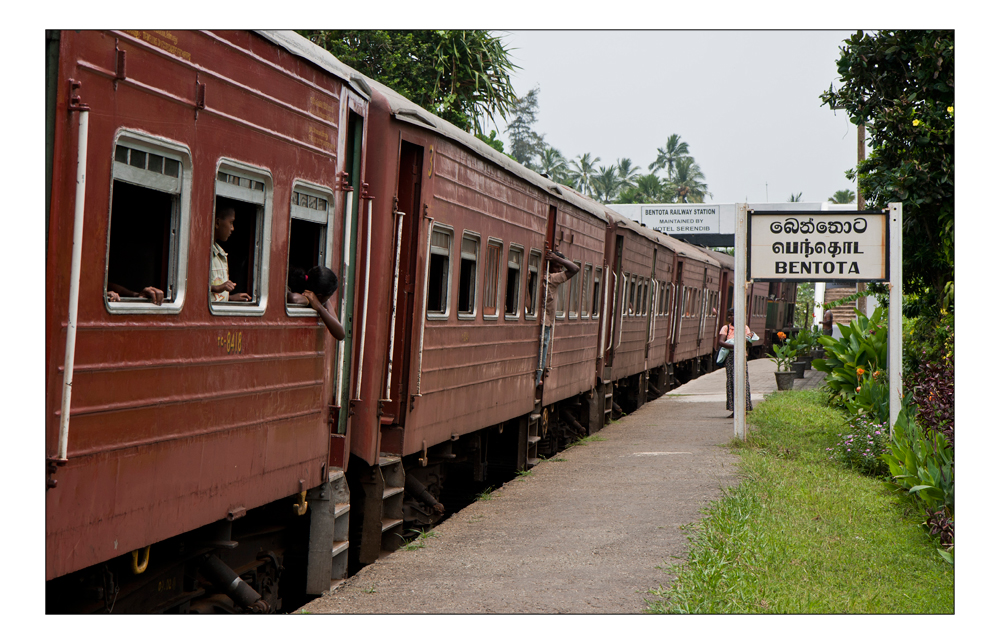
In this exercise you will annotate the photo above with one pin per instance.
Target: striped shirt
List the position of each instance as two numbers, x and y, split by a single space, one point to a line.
219 272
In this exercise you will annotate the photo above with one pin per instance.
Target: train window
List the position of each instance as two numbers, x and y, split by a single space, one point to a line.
645 296
439 272
596 308
630 285
661 303
574 293
309 244
584 299
491 283
245 192
148 226
531 296
512 294
468 276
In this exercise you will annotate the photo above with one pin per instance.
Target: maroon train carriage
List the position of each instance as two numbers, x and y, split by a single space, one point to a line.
198 432
447 396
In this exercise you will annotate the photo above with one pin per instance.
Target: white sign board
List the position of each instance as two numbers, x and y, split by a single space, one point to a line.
818 246
682 219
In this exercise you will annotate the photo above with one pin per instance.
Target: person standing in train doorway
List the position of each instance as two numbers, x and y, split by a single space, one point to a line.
220 286
560 270
726 339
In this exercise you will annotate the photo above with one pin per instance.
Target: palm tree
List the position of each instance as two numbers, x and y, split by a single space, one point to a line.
582 172
627 173
669 155
795 197
606 184
649 188
552 163
843 196
687 184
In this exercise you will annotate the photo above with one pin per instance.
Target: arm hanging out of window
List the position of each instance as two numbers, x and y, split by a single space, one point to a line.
115 291
329 318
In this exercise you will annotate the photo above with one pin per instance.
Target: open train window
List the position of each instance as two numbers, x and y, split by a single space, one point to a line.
584 299
531 294
574 293
148 227
512 294
439 272
244 192
468 276
631 294
309 243
598 278
491 283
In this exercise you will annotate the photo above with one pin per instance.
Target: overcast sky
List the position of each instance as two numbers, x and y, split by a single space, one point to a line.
746 102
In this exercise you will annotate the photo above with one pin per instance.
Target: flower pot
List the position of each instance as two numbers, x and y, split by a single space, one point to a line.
818 354
807 361
799 369
785 379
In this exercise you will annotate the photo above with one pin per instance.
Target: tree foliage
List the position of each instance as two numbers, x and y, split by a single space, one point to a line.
525 143
843 196
462 76
901 85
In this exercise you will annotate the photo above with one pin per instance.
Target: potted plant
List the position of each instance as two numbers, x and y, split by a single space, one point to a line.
803 344
782 357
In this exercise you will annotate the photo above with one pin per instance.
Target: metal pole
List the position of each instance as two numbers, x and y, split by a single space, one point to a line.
895 324
739 321
74 288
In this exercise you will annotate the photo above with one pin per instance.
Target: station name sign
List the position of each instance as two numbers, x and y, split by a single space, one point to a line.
840 246
682 219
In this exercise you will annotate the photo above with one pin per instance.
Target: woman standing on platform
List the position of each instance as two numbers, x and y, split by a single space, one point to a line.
726 335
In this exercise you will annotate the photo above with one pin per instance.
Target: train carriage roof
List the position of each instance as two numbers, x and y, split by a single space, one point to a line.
679 247
305 48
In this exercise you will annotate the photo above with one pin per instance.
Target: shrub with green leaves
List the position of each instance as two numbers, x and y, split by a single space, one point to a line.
922 464
860 352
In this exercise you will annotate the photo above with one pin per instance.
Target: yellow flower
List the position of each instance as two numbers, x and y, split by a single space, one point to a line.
951 109
916 122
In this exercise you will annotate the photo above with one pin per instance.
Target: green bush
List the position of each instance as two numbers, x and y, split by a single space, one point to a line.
858 355
922 464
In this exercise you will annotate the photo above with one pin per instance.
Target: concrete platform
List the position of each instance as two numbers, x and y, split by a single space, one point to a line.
589 531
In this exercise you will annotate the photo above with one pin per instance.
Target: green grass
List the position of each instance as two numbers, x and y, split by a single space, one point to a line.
802 534
593 438
419 541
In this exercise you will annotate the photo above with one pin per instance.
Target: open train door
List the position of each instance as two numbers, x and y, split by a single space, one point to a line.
406 224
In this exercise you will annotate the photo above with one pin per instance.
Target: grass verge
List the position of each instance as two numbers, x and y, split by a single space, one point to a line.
801 534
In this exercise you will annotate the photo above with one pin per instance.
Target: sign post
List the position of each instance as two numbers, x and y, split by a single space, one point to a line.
894 360
740 284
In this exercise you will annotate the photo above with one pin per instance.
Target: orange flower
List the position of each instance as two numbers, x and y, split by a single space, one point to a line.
861 371
781 336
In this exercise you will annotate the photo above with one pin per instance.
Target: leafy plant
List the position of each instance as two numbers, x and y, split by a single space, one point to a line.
922 464
861 350
783 354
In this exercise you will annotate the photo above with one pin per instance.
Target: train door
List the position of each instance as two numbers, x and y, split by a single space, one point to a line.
348 262
678 313
649 305
618 300
406 217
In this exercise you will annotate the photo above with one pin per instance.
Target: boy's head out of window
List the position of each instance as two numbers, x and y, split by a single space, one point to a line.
225 218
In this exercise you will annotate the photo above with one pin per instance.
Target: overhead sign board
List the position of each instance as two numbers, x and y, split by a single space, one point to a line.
815 246
682 219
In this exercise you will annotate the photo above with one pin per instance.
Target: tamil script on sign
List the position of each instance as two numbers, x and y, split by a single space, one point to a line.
818 247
